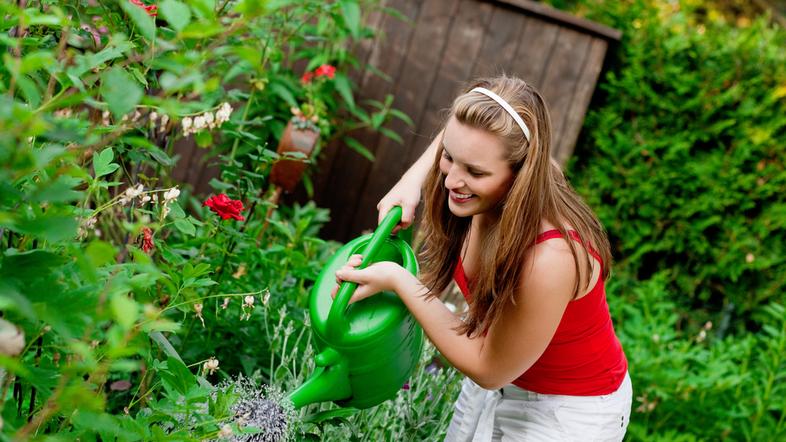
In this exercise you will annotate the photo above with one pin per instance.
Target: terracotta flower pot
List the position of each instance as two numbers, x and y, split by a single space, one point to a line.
287 172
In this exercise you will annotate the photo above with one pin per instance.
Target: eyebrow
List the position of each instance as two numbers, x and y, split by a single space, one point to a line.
469 166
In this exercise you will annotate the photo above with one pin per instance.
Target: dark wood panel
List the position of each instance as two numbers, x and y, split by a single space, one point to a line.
350 170
463 42
534 51
500 43
561 78
547 13
574 117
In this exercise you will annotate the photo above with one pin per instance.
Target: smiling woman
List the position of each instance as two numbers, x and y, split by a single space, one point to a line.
538 346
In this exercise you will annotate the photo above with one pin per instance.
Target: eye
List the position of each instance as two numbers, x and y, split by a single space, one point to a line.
476 173
446 156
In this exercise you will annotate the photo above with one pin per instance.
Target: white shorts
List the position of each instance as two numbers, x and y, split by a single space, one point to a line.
514 414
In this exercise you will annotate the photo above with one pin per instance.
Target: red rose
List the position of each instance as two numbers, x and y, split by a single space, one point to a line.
225 208
326 70
306 78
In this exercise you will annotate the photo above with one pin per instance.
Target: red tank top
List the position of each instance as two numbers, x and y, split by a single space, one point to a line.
584 358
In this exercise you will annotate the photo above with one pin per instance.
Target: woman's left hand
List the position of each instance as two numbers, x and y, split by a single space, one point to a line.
373 279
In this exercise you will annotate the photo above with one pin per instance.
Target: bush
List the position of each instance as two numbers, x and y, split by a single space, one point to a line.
698 386
684 162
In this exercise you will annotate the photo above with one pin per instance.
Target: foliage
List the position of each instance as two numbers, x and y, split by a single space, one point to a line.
700 386
686 165
683 162
133 297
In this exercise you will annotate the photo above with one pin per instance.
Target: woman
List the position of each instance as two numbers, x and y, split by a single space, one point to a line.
541 359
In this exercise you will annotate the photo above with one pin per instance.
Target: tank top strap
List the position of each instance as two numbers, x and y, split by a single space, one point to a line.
554 233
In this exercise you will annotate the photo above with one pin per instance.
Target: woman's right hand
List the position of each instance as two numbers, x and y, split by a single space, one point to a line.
406 194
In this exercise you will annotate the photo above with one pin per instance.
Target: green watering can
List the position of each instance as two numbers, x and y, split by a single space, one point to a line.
367 350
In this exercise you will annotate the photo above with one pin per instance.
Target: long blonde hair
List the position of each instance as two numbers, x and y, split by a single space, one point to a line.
539 191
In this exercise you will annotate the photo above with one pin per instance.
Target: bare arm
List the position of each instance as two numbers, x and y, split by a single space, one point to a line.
406 193
516 340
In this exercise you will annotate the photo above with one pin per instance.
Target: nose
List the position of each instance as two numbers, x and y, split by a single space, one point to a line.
454 179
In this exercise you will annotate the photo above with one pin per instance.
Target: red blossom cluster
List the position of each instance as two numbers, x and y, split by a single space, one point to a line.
152 10
225 207
325 70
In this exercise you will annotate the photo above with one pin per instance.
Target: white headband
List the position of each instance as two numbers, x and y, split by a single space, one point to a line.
507 107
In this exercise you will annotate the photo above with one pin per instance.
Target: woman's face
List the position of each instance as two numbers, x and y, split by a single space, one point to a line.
477 175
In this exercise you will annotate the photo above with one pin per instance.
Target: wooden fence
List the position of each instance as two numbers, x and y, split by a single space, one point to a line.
428 59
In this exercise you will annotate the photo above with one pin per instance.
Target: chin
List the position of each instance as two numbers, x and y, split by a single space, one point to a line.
461 212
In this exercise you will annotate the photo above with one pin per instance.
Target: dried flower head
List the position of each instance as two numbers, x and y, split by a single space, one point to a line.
198 311
264 409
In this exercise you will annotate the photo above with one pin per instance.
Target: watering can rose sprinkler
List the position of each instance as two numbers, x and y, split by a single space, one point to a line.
367 350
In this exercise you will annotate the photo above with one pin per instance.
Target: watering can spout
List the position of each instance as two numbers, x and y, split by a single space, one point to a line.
330 381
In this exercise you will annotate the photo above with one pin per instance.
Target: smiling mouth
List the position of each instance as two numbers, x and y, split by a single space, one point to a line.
460 197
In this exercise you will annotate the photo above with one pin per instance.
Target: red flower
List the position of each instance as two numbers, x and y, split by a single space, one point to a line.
152 10
225 208
306 78
326 70
147 240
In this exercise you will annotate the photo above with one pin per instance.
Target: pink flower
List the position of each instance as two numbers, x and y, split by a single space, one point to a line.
225 207
152 10
326 70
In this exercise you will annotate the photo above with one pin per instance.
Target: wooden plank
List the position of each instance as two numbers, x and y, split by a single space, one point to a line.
462 40
532 55
349 169
455 69
561 78
500 43
574 118
547 13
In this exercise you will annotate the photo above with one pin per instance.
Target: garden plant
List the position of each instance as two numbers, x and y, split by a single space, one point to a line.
134 309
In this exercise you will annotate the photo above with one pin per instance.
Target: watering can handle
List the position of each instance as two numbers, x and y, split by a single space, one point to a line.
336 322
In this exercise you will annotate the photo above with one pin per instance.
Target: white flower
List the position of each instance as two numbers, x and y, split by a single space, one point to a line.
223 113
145 199
12 338
211 365
153 117
186 124
171 194
164 122
248 301
225 304
199 123
131 193
266 298
209 120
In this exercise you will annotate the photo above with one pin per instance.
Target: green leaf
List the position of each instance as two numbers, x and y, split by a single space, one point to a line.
102 163
144 23
186 227
125 310
344 89
175 211
100 253
350 10
176 13
120 91
402 116
392 135
50 228
359 148
284 94
61 190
